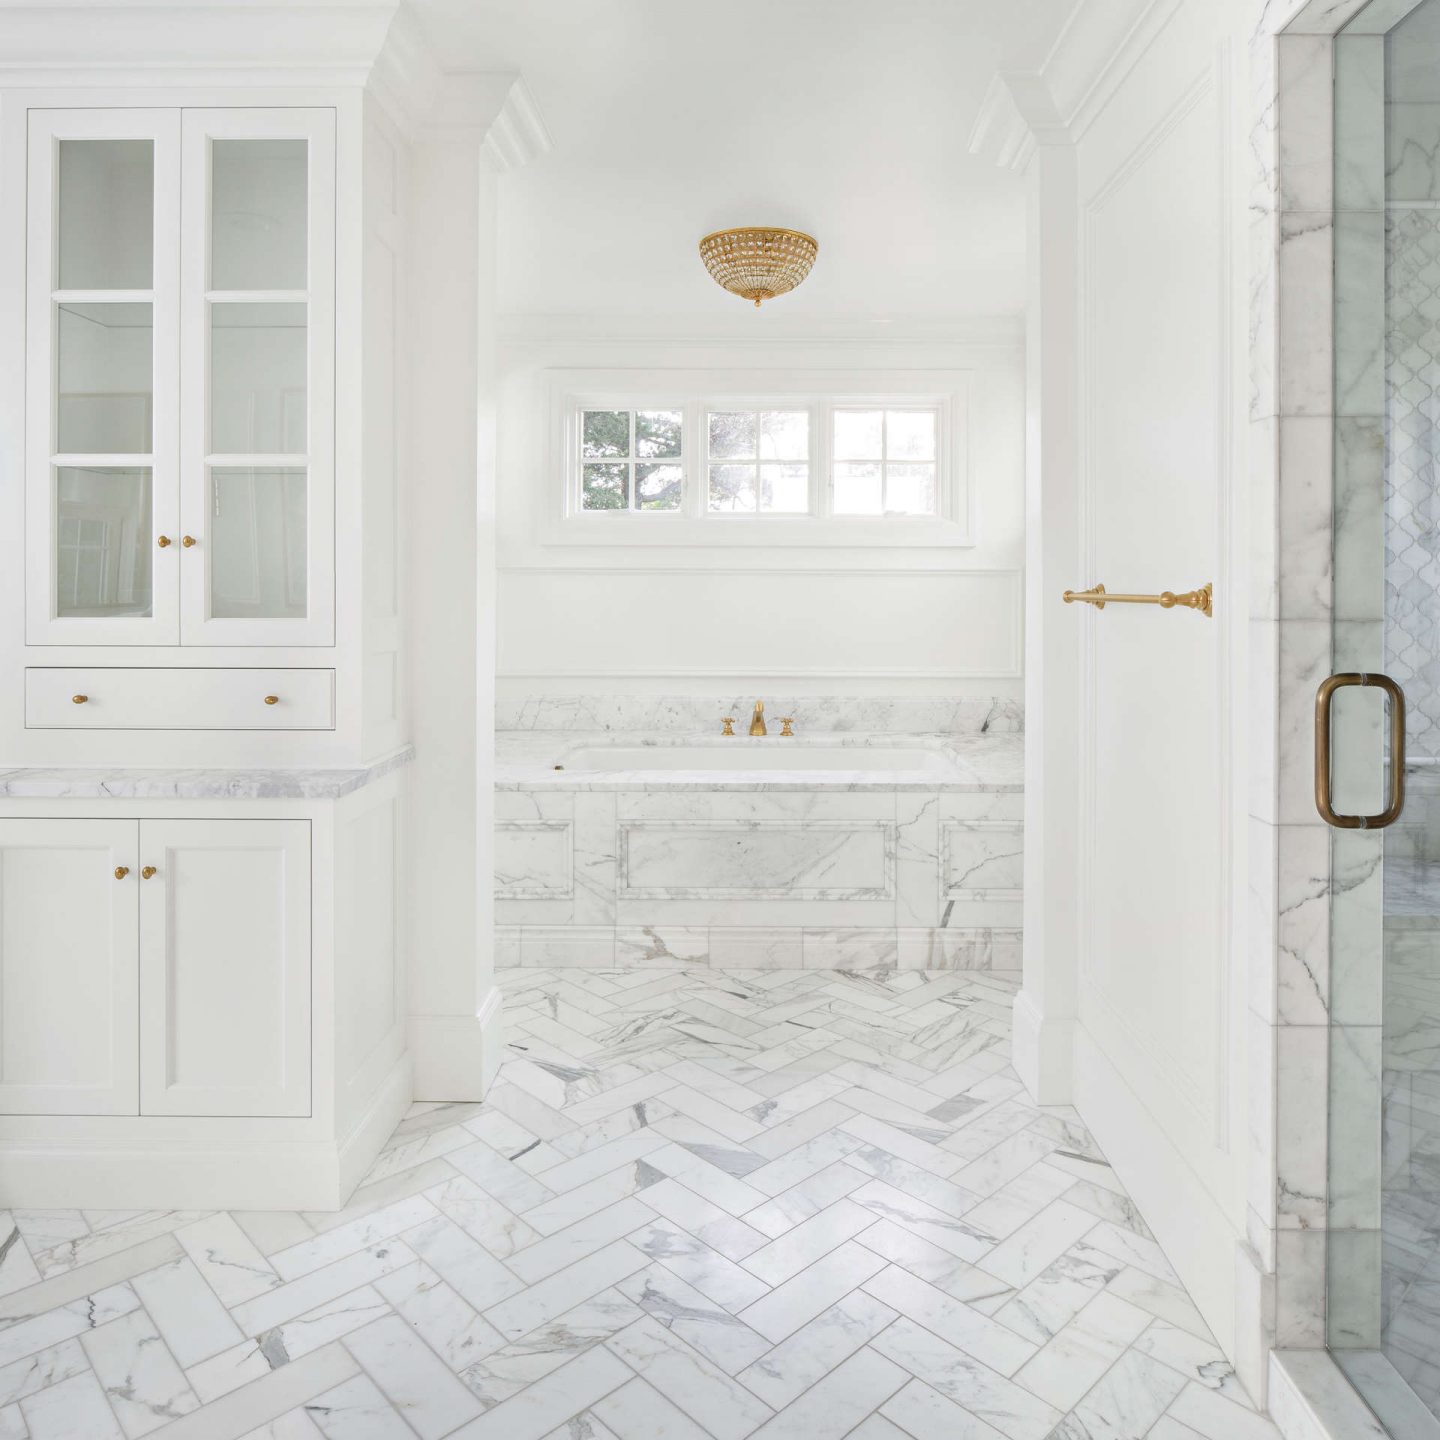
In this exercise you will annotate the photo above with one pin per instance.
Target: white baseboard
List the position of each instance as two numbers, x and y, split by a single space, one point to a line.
1197 1237
135 1175
456 1056
375 1126
1043 1052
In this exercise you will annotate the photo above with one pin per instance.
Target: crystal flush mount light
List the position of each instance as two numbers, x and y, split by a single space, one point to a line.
759 262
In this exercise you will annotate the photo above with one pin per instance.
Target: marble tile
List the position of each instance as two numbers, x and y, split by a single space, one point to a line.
831 1407
1305 323
1306 124
662 945
430 1399
702 1390
73 1407
706 1326
145 1386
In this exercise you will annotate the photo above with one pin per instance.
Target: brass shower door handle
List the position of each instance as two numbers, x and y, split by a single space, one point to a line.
1324 699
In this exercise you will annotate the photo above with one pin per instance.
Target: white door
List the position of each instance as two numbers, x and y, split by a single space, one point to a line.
69 899
258 360
225 967
102 377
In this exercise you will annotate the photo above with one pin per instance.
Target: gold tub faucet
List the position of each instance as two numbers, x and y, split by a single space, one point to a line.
757 720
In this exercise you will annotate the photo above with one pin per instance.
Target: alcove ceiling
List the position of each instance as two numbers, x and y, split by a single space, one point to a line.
848 118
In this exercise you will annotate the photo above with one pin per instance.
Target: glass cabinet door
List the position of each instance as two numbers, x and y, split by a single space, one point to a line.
102 377
257 464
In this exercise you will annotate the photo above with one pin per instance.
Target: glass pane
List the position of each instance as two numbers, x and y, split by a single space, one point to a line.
103 364
785 489
657 434
257 214
257 544
858 490
257 379
785 435
605 433
105 215
857 434
732 436
103 544
732 488
657 487
603 487
910 435
910 490
1382 1000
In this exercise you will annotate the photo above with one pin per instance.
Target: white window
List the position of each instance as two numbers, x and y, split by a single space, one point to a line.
632 459
672 457
758 462
885 461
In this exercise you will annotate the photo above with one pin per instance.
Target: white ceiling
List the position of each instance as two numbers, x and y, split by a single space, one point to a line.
671 118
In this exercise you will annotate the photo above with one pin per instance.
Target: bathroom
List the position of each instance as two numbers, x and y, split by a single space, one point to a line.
720 721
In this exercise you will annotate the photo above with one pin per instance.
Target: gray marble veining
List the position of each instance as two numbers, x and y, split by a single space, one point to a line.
102 783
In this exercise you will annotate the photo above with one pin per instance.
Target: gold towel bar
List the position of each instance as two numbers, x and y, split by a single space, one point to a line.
1201 599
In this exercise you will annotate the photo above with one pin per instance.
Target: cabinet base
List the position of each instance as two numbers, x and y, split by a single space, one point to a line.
136 1174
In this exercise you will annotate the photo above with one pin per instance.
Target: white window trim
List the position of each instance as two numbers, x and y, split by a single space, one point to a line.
697 392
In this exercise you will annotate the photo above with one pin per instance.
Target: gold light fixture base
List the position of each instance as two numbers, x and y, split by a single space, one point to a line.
758 262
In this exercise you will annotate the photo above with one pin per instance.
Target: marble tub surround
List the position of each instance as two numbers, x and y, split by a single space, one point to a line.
824 869
155 783
689 714
526 760
693 1206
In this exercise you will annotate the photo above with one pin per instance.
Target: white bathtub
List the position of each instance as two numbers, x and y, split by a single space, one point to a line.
770 754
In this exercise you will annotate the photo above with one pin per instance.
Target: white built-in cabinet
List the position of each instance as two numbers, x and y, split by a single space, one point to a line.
180 377
155 967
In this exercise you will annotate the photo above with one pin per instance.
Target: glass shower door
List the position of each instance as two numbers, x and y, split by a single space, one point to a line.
1383 1272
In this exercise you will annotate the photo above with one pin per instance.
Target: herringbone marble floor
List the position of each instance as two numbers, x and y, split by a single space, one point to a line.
697 1205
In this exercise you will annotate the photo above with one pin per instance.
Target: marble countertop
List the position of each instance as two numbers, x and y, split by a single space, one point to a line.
101 783
526 760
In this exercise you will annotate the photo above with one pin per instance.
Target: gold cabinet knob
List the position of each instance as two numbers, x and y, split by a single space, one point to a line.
729 725
187 541
79 699
272 699
163 541
787 725
147 871
121 871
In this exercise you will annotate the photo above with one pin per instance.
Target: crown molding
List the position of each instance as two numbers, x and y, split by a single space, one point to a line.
230 41
1055 105
518 133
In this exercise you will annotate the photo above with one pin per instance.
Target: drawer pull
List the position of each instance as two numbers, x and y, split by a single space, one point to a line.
79 699
272 699
121 871
147 871
187 541
163 541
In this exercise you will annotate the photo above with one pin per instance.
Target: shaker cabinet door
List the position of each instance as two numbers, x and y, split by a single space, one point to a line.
225 967
69 896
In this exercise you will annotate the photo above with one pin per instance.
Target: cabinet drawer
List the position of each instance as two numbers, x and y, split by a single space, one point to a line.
179 699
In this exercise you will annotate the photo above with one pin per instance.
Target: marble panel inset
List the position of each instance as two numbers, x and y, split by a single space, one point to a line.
759 859
532 860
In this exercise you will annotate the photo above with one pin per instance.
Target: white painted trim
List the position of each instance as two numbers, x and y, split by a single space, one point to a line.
457 1056
518 134
1042 1052
1162 1183
357 1151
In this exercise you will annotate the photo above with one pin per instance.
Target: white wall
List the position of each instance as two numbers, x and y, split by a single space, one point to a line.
1135 993
699 619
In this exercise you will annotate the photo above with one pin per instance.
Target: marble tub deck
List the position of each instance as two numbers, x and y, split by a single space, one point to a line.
696 1205
526 760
